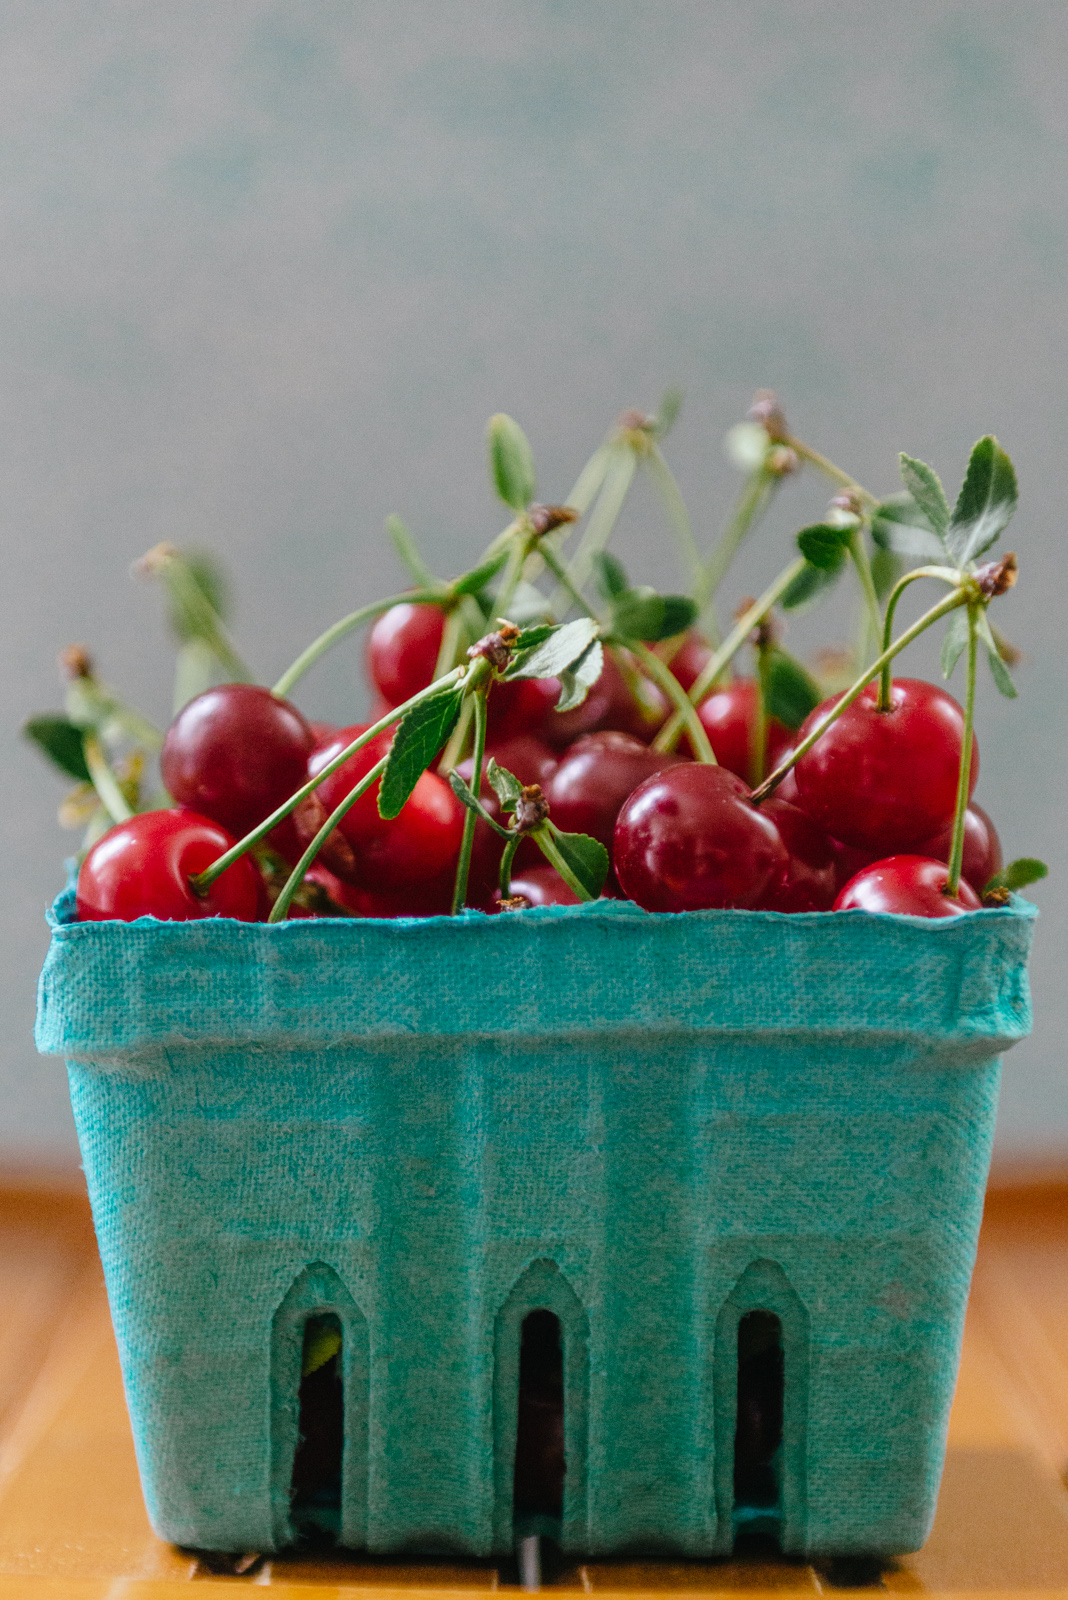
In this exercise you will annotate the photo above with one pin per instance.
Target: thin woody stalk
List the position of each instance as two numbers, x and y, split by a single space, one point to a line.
463 865
296 877
956 851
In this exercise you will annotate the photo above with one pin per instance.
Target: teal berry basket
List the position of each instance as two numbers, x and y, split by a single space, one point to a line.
633 1230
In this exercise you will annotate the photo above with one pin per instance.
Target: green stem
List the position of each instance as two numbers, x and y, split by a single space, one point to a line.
829 469
684 707
950 603
614 490
750 506
507 858
524 541
667 738
463 866
192 598
296 877
202 881
451 636
559 572
858 551
104 780
675 506
947 575
408 551
964 783
325 641
547 846
758 756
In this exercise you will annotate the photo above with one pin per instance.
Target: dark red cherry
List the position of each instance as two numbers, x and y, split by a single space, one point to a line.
520 707
142 867
690 659
542 886
729 716
690 839
807 882
911 886
418 847
639 707
982 847
594 778
886 780
235 753
414 901
402 650
848 861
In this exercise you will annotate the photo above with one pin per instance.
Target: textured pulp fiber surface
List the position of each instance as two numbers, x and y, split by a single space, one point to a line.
647 1125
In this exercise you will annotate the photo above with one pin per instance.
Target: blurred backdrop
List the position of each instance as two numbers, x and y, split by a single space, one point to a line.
265 270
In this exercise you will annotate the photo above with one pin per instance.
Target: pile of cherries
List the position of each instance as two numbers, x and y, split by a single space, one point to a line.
863 820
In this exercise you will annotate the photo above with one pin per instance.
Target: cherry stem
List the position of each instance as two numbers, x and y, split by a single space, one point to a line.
858 552
947 575
463 865
543 834
675 506
750 506
507 858
758 754
559 572
296 877
327 640
668 736
619 476
684 706
202 881
104 780
956 850
828 468
524 540
174 571
950 603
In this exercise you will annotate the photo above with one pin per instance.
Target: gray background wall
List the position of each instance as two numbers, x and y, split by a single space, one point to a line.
266 268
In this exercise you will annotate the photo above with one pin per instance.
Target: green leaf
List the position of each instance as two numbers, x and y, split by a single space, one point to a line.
577 680
473 581
955 641
511 462
561 649
1018 874
464 794
61 741
667 412
807 587
925 487
505 785
404 543
610 575
420 735
647 616
900 526
587 858
986 503
536 635
886 569
824 545
790 692
998 670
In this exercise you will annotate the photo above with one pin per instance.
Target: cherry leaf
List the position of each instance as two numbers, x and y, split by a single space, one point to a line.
898 525
986 503
955 641
555 651
472 582
577 680
611 575
505 785
511 461
1018 874
824 545
420 735
790 693
61 741
648 616
585 858
807 587
998 670
925 486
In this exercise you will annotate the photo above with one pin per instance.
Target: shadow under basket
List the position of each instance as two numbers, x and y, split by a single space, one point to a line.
638 1232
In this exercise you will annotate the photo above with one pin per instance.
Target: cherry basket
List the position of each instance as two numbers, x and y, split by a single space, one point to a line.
728 1167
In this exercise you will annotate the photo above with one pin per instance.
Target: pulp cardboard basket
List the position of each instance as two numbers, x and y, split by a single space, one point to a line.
735 1160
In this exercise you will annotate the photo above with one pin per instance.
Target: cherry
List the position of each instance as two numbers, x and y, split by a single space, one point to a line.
523 706
639 707
595 777
729 717
419 847
542 886
912 886
141 868
531 761
690 659
982 847
886 780
807 882
848 861
402 650
689 839
235 753
413 901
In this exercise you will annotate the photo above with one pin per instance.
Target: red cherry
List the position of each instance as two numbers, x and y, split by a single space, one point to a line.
530 761
142 867
886 780
982 847
848 861
595 777
729 716
235 753
690 659
689 839
807 882
418 847
542 886
911 886
638 706
402 650
520 707
413 901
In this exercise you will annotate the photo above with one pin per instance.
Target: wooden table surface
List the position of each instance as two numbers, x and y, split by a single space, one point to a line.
72 1523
